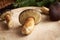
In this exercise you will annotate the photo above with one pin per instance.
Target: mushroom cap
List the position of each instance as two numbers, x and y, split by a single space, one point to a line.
30 13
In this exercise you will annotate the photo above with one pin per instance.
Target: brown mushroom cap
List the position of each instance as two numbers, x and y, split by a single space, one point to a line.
30 13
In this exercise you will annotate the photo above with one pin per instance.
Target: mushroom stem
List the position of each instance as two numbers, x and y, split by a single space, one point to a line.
7 17
44 10
28 26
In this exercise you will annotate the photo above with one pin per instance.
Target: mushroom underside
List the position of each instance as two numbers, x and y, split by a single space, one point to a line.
30 13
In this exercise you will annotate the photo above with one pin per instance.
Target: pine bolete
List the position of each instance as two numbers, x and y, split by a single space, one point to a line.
29 18
12 16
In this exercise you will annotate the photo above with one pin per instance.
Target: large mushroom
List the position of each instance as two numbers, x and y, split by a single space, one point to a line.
12 16
29 18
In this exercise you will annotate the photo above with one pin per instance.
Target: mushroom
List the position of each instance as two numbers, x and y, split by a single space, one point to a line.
45 10
12 17
28 18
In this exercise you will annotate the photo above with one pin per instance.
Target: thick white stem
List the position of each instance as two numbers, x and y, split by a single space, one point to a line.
28 26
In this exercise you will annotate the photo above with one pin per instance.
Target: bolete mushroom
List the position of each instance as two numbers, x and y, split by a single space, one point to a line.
29 18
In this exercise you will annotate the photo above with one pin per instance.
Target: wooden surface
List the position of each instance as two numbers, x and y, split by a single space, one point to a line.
45 30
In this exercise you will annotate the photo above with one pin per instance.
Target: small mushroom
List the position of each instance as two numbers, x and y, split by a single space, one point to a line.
28 18
6 16
10 17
